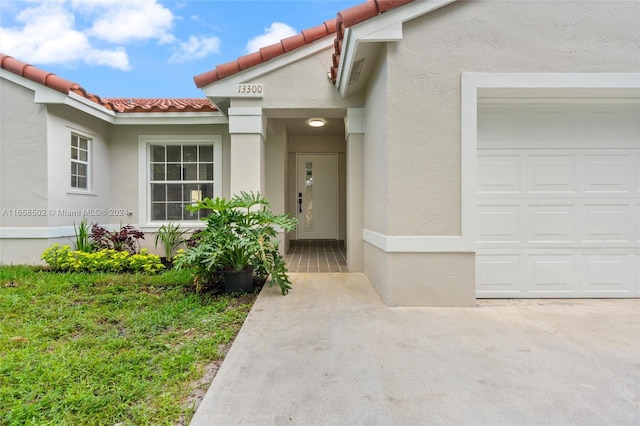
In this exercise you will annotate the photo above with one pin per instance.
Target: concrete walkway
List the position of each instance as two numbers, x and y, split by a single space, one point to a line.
331 353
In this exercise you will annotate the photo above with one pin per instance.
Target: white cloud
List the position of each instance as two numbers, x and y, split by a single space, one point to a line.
48 37
195 48
276 32
116 58
120 21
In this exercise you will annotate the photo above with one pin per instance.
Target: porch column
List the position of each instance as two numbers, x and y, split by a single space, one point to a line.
354 135
247 128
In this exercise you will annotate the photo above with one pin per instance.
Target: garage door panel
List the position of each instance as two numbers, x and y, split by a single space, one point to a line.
499 274
499 125
551 224
499 173
534 273
558 200
551 174
607 274
549 125
551 274
608 223
499 224
609 173
605 125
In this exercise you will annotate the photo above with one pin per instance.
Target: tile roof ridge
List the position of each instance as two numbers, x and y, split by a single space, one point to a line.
345 18
161 104
67 87
37 75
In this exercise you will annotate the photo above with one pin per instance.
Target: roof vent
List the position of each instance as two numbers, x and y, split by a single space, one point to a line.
355 71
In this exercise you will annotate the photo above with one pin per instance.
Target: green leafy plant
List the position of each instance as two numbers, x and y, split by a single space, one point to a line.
171 237
83 241
64 259
240 233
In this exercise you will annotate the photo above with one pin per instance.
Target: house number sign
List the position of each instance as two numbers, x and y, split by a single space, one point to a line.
250 90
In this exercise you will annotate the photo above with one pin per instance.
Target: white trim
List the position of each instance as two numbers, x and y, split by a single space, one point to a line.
418 243
354 122
552 80
164 118
45 232
247 120
143 171
89 162
36 232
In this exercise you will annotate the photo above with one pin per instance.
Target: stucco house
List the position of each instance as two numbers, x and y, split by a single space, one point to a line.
469 148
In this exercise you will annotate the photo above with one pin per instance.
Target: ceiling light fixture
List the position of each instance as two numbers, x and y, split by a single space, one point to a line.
316 122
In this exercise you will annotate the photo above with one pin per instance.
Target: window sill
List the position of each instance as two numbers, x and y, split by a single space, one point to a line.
87 193
184 225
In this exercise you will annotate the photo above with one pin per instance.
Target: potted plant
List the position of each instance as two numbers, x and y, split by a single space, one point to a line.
171 237
239 239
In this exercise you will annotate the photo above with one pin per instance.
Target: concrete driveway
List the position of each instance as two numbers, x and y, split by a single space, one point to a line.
331 353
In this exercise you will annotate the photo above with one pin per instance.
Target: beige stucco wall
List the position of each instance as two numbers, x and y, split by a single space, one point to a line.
23 156
481 36
376 145
302 84
421 279
23 171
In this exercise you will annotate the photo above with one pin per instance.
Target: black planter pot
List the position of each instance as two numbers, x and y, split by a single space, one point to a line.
238 281
167 263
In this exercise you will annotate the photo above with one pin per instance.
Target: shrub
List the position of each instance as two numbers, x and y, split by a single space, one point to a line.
126 239
171 236
64 259
240 233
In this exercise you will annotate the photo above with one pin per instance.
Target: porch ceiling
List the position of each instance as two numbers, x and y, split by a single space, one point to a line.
299 126
295 120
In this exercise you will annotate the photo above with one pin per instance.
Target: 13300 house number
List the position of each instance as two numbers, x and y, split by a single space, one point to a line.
250 89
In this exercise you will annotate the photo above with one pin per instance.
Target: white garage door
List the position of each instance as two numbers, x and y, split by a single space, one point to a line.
558 199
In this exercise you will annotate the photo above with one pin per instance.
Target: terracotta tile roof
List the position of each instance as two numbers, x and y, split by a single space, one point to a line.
161 105
346 18
118 105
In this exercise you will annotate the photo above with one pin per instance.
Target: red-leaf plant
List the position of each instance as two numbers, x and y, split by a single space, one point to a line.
126 239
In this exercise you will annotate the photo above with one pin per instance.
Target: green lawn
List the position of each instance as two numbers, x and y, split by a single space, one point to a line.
106 349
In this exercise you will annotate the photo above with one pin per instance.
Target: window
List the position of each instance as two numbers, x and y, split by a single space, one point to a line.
180 174
79 162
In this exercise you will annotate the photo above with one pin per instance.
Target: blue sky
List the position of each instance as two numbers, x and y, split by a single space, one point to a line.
149 48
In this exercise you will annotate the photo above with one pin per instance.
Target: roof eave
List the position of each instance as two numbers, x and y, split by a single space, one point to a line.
168 118
386 27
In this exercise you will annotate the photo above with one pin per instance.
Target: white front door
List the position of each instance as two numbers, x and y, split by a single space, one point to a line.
317 196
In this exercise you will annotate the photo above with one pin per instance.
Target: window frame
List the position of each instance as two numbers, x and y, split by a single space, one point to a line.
144 171
87 163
